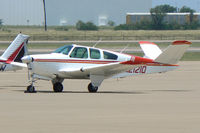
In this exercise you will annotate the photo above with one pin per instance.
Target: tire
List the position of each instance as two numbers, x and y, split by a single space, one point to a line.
30 89
92 88
58 87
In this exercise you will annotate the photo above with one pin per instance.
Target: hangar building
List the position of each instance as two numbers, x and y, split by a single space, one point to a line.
180 18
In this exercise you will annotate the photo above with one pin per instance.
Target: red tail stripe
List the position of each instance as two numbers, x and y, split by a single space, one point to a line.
13 56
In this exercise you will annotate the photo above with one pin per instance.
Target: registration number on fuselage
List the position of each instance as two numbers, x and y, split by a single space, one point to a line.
141 69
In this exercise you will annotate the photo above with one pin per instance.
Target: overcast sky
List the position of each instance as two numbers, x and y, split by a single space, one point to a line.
30 12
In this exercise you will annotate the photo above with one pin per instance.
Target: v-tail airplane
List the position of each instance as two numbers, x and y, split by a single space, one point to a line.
10 60
82 62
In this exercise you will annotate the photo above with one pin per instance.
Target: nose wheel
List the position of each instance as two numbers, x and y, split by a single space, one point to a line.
92 88
30 89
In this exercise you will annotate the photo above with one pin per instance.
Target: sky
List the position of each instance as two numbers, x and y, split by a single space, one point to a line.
21 12
30 12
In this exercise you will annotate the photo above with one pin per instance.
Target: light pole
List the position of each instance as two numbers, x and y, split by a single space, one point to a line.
45 17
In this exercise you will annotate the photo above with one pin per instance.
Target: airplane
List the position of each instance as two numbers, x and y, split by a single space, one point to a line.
10 60
82 62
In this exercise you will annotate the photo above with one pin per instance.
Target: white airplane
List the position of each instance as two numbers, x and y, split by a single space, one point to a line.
81 62
11 58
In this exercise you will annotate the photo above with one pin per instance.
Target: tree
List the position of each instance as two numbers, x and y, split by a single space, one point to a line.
1 22
91 26
80 25
157 16
165 8
189 10
158 13
111 23
186 9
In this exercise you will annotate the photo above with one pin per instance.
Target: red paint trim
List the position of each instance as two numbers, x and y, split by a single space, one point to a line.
3 61
146 42
13 56
74 61
137 60
181 42
158 64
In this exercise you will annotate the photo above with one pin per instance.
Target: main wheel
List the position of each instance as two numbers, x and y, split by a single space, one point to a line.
30 89
58 87
92 88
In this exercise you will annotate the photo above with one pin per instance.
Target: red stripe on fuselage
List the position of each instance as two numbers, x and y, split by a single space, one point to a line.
138 61
74 61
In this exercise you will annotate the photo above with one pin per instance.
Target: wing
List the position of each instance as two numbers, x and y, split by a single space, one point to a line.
18 64
107 70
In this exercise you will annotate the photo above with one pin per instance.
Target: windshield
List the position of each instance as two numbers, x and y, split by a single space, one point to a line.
64 49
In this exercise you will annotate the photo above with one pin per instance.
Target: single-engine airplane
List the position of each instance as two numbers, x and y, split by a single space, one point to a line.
81 62
11 58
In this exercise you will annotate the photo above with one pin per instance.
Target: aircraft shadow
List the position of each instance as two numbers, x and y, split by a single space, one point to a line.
12 86
85 92
171 90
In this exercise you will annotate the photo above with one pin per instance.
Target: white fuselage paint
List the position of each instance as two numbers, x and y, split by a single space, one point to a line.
54 62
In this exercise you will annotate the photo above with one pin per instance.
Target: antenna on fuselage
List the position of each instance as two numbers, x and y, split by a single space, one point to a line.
97 43
124 48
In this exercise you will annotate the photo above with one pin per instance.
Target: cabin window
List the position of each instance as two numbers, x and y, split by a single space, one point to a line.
95 54
63 50
79 52
109 56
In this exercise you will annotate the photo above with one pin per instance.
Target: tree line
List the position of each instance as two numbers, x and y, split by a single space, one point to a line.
157 20
155 23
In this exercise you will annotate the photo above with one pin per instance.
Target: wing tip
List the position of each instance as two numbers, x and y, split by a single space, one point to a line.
146 42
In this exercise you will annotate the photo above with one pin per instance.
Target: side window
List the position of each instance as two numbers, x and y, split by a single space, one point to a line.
79 52
109 56
95 54
64 49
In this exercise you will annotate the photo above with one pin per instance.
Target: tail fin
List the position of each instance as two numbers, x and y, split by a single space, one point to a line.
151 50
173 53
16 50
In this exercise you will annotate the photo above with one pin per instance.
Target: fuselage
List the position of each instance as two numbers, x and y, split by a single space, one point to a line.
75 57
49 65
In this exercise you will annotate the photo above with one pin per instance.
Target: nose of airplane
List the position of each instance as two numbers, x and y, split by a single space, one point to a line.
27 59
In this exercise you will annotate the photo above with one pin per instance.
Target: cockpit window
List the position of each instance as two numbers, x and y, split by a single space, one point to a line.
64 50
79 52
94 54
109 56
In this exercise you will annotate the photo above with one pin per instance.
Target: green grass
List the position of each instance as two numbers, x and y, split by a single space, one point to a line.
38 33
8 33
191 56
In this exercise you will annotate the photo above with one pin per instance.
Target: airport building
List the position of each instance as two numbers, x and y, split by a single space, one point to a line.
180 18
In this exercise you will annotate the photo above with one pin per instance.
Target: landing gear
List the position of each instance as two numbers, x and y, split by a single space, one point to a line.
30 89
92 88
58 87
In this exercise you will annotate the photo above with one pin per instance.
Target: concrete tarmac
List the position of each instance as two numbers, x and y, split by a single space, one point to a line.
156 103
